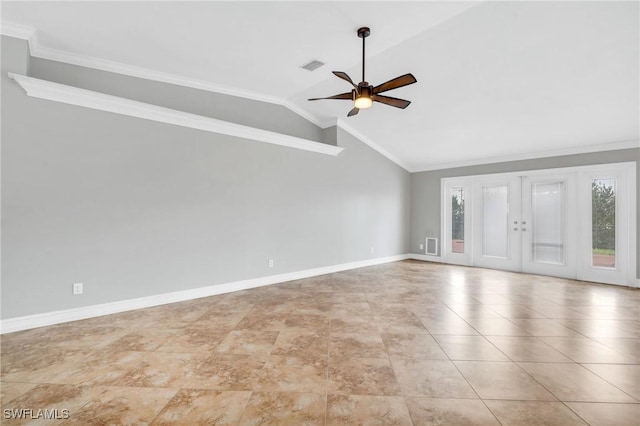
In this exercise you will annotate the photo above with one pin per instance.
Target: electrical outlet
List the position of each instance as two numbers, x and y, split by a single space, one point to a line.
77 288
270 263
371 250
421 246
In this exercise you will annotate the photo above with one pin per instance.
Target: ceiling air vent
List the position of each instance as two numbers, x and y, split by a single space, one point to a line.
312 65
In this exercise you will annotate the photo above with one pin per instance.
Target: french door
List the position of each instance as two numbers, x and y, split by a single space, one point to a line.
549 225
496 223
571 223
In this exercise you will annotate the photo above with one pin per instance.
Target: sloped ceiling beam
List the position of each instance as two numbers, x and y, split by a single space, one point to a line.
63 93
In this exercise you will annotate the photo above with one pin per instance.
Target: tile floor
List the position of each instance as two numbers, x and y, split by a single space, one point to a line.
397 344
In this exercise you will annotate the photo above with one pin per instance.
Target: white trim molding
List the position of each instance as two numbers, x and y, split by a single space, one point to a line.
37 50
23 32
584 149
57 92
11 325
425 257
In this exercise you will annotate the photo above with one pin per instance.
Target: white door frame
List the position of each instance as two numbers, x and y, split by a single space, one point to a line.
627 171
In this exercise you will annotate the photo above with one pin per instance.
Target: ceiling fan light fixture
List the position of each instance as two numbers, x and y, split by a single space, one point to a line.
363 102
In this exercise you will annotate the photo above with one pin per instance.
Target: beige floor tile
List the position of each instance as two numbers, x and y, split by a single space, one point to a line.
624 377
514 311
431 378
355 324
66 400
523 413
262 321
147 369
11 390
448 323
305 343
226 372
123 405
573 382
627 347
203 406
60 366
410 324
421 346
469 348
193 340
284 408
347 310
358 345
496 327
544 327
362 376
502 380
586 350
293 374
522 348
220 320
316 323
146 340
441 412
602 414
367 410
245 342
605 327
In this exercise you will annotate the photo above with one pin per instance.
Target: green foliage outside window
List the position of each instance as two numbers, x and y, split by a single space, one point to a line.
457 213
603 217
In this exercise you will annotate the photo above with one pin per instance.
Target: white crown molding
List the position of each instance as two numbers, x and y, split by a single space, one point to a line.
14 30
37 50
346 127
48 90
611 146
50 318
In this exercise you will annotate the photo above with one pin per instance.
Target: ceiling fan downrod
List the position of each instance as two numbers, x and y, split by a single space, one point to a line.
363 32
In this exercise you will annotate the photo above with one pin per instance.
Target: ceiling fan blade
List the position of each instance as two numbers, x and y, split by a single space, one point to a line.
398 103
347 95
354 111
403 80
344 76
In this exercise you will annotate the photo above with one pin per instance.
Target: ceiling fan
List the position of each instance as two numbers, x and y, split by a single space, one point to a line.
363 95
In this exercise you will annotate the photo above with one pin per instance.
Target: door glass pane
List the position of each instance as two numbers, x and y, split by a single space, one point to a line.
457 220
495 217
603 223
548 222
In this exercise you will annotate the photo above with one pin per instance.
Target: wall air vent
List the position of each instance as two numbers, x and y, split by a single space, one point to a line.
432 246
312 65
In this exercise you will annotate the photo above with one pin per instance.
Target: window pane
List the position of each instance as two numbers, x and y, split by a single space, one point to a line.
603 223
457 220
549 218
495 218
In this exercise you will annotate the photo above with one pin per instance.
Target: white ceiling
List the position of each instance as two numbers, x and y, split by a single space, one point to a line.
495 79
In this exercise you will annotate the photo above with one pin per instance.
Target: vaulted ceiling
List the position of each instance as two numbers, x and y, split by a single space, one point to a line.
496 80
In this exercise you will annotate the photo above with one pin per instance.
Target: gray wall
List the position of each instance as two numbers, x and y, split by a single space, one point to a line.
425 186
134 208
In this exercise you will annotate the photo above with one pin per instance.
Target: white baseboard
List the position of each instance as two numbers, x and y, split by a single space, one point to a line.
425 257
57 317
